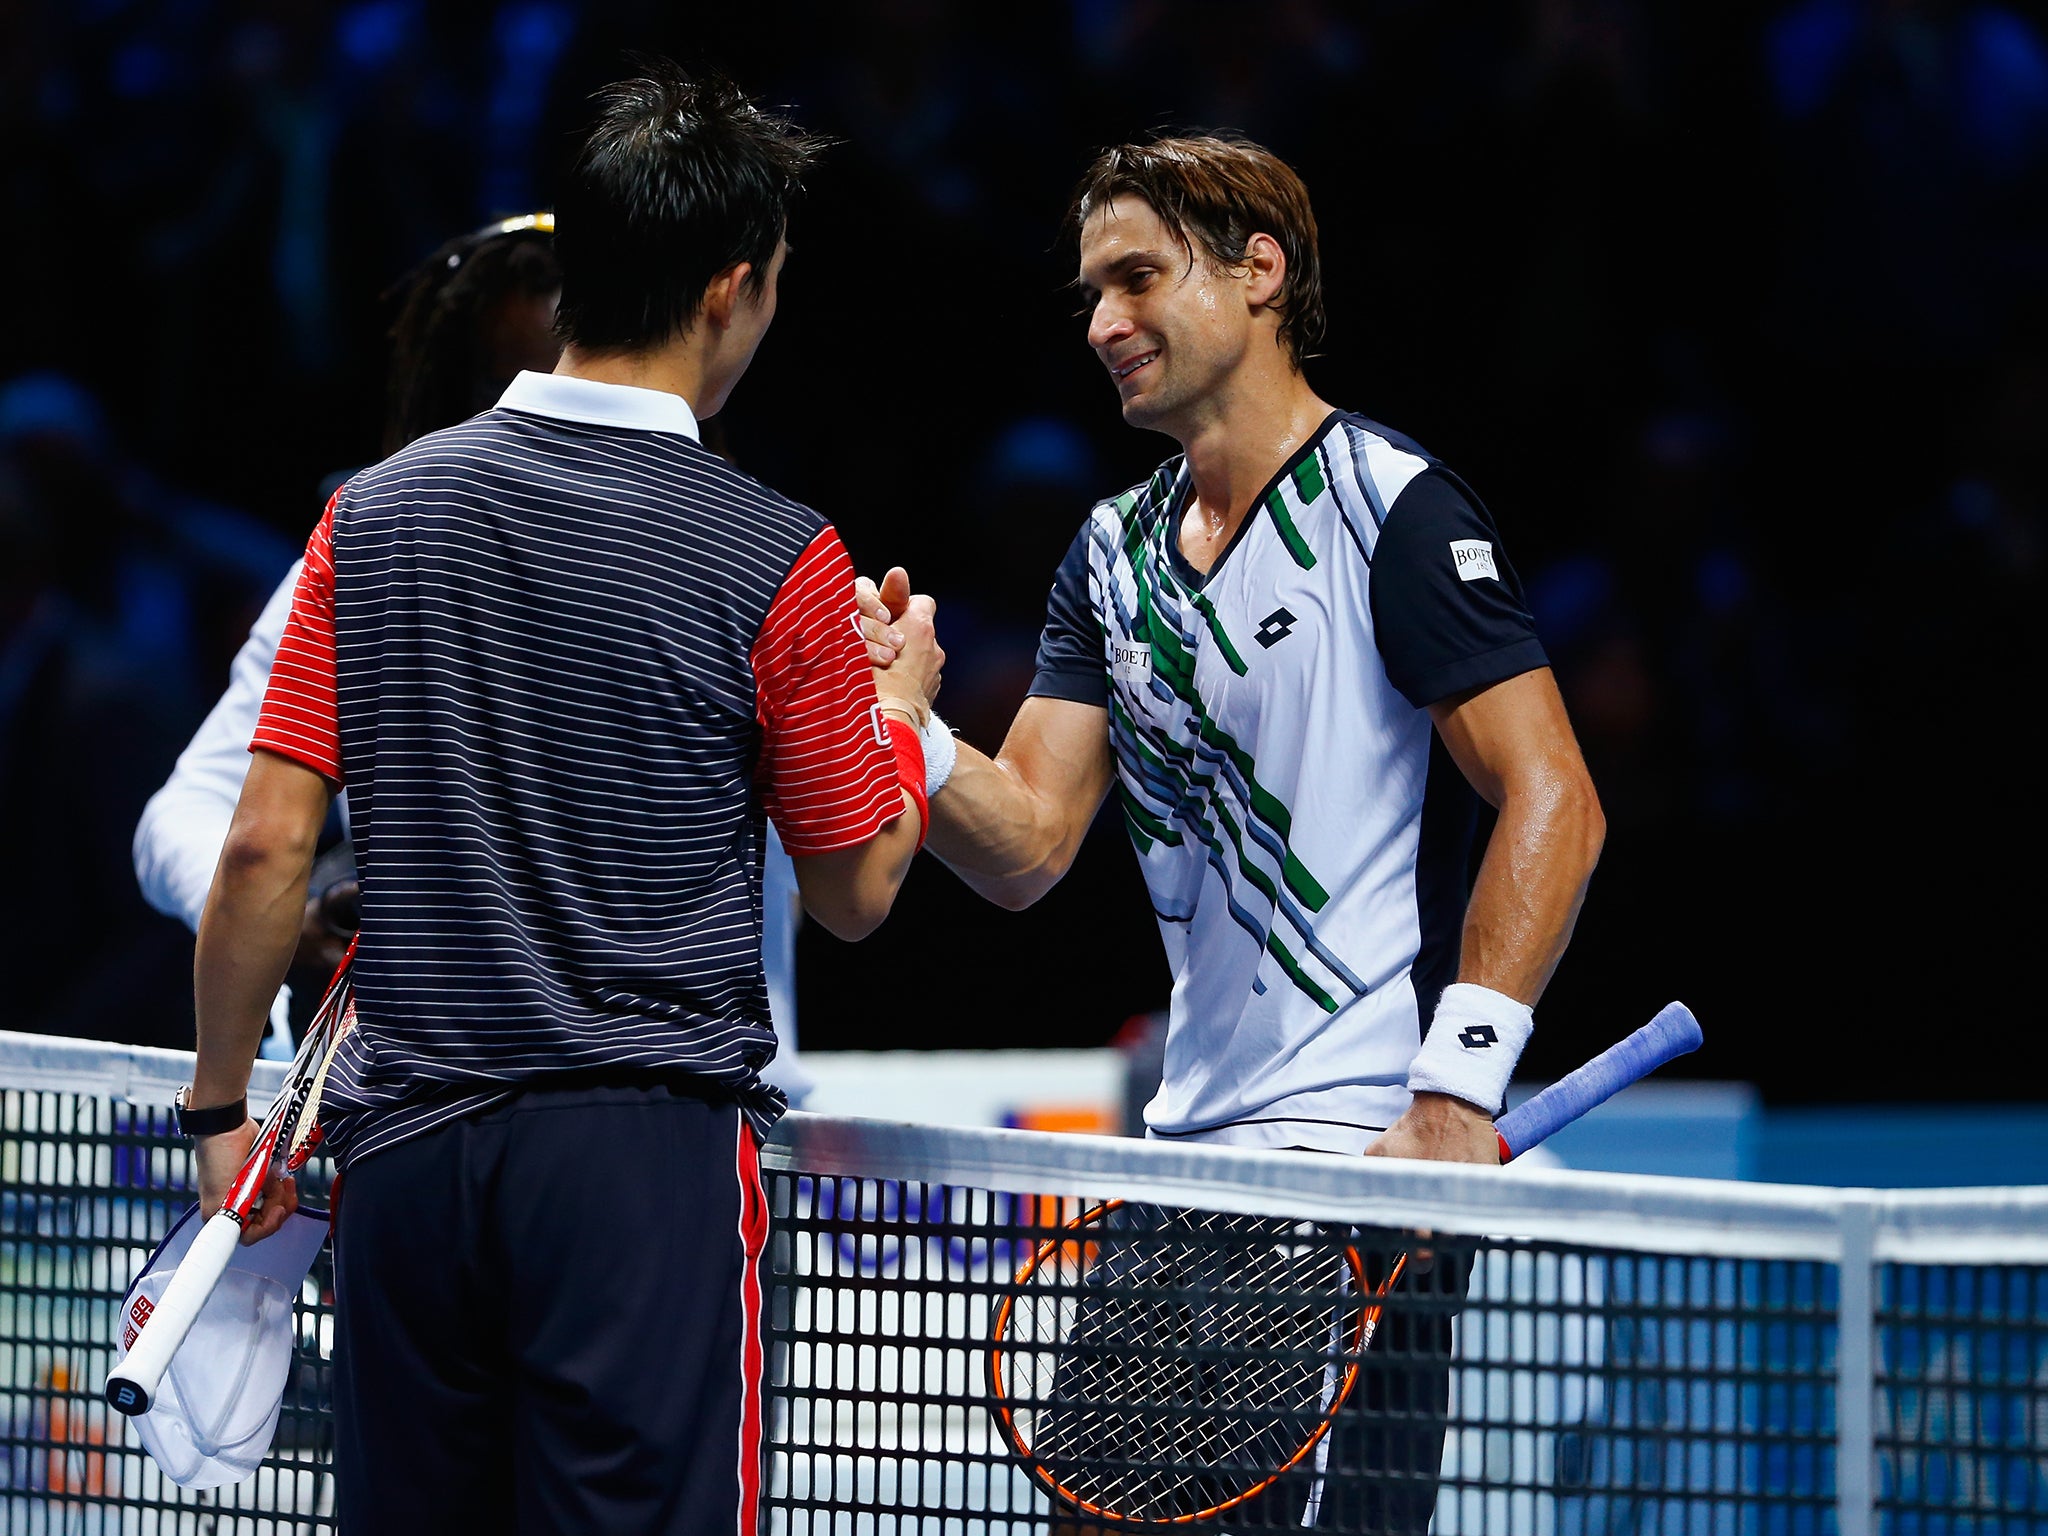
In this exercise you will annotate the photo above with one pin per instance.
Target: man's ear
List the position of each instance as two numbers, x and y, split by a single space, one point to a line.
1266 265
726 292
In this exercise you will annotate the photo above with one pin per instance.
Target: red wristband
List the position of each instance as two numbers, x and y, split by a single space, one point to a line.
910 769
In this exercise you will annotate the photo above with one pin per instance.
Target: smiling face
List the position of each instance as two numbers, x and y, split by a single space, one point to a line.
1171 330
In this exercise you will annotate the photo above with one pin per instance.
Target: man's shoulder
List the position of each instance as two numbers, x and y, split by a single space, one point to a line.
1140 505
733 487
669 465
1372 465
1361 428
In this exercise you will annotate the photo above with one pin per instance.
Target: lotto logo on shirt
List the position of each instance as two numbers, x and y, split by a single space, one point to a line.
1474 558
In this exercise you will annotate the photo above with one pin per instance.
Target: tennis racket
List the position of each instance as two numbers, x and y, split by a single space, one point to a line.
289 1134
1155 1366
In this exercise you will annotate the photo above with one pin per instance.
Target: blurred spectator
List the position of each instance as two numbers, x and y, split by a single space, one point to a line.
1199 65
1915 134
1583 145
529 39
93 691
1694 702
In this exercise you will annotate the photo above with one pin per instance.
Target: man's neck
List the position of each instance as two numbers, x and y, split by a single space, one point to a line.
675 369
1244 438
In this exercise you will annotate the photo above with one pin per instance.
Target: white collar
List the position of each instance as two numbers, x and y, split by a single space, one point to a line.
603 405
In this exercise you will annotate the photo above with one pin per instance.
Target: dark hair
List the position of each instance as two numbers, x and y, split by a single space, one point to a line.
1218 190
680 179
443 365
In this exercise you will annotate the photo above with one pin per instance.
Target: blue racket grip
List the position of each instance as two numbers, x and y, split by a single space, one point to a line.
1669 1035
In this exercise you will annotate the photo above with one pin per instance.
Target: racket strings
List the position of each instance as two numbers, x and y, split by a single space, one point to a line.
1175 1359
289 1130
339 1013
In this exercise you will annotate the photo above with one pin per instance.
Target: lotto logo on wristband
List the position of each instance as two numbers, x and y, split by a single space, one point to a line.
1478 1037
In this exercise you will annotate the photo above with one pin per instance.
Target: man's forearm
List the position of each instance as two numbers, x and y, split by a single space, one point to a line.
1530 886
993 831
246 941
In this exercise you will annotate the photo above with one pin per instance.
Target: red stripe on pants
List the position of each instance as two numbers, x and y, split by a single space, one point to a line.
753 1240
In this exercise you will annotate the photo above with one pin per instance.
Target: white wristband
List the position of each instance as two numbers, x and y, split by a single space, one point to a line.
940 752
1472 1047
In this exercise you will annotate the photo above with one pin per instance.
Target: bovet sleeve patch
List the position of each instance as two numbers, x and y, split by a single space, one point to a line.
1474 559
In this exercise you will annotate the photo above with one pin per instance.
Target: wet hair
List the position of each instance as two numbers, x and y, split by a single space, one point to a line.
680 179
442 365
1216 191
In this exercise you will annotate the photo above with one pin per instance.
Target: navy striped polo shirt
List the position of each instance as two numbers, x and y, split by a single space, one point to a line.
565 659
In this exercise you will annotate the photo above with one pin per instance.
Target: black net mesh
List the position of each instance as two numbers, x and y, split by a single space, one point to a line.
1504 1386
1962 1399
87 1187
1158 1361
1602 1391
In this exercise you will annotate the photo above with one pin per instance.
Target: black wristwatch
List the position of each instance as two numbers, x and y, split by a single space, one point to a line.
208 1122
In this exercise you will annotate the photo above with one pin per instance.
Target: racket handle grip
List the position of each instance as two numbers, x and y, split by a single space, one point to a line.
1669 1035
131 1385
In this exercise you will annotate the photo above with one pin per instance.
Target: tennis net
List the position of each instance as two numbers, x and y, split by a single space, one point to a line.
1005 1331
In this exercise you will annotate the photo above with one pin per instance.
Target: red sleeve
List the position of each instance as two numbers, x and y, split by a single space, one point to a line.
301 719
827 770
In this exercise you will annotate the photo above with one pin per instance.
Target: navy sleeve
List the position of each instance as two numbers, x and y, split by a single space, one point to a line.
1070 656
1447 607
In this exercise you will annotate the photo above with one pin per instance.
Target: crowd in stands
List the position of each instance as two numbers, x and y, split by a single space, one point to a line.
1736 316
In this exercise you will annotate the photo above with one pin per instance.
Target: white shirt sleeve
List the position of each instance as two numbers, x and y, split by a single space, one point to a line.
185 824
781 912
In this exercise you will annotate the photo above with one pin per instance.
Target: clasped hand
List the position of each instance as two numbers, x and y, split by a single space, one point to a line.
899 628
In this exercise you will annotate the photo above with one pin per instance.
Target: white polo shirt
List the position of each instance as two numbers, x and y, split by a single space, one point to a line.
1303 834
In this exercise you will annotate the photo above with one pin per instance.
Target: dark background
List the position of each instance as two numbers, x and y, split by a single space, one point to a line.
1735 314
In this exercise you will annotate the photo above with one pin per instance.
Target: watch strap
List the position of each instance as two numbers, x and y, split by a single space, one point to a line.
211 1121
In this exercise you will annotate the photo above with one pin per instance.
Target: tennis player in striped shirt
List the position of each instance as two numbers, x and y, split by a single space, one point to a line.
565 659
474 313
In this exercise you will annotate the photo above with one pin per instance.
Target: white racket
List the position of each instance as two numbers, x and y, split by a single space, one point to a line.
289 1134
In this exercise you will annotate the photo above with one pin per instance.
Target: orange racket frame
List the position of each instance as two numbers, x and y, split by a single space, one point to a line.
1361 1336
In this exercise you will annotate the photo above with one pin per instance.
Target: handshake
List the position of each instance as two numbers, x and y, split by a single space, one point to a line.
903 646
